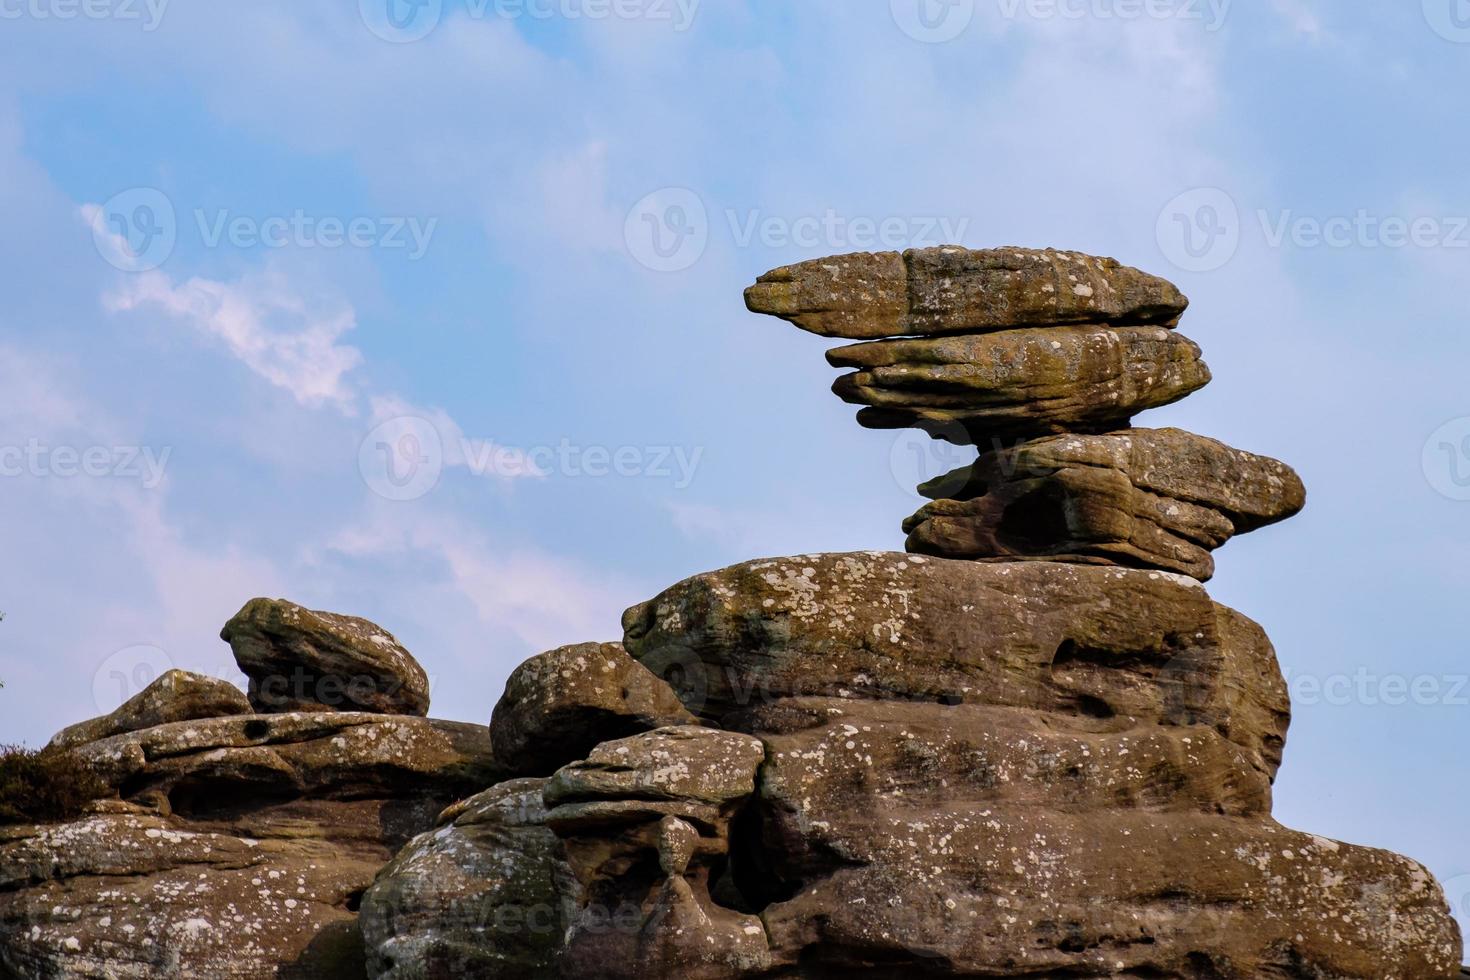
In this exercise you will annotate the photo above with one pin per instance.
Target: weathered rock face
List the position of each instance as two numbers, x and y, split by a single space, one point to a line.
1153 498
559 705
949 289
177 695
646 822
1119 646
237 847
486 894
1023 770
1019 383
301 660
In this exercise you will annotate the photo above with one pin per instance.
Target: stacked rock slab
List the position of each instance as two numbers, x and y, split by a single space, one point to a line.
238 844
1041 359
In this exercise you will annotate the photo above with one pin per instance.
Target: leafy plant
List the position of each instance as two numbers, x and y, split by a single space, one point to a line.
45 785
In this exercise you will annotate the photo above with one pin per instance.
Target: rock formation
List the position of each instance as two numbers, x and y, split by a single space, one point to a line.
236 845
1032 746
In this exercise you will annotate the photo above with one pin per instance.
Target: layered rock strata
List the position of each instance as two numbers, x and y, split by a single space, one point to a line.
233 844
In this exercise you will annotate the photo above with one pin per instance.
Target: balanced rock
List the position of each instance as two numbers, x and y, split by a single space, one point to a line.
1154 498
944 290
1018 383
301 660
559 705
488 893
176 695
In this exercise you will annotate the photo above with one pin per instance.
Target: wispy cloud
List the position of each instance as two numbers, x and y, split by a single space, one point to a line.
264 324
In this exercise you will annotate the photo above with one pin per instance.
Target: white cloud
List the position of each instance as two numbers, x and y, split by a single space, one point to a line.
264 324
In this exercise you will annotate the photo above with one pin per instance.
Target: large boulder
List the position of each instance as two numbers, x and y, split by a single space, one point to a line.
298 659
488 893
559 705
1122 647
176 695
1018 384
1155 498
948 289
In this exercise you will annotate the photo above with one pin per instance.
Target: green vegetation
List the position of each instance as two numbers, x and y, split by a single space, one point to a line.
44 785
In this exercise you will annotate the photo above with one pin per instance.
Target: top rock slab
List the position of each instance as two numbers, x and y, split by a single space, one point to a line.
946 290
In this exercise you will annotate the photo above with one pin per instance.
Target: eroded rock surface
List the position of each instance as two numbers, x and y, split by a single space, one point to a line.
950 289
1154 498
176 695
237 847
298 659
488 893
1020 383
559 705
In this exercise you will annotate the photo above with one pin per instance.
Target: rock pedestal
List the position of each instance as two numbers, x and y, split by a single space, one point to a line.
1032 747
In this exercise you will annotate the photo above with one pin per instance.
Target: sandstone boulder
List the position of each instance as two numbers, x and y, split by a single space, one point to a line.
559 705
301 660
949 289
1118 646
486 894
1018 383
1155 498
176 695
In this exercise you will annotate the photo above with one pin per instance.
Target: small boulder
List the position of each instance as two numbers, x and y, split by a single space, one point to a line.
559 705
177 695
298 659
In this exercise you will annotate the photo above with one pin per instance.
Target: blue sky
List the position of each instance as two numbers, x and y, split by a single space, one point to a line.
212 282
